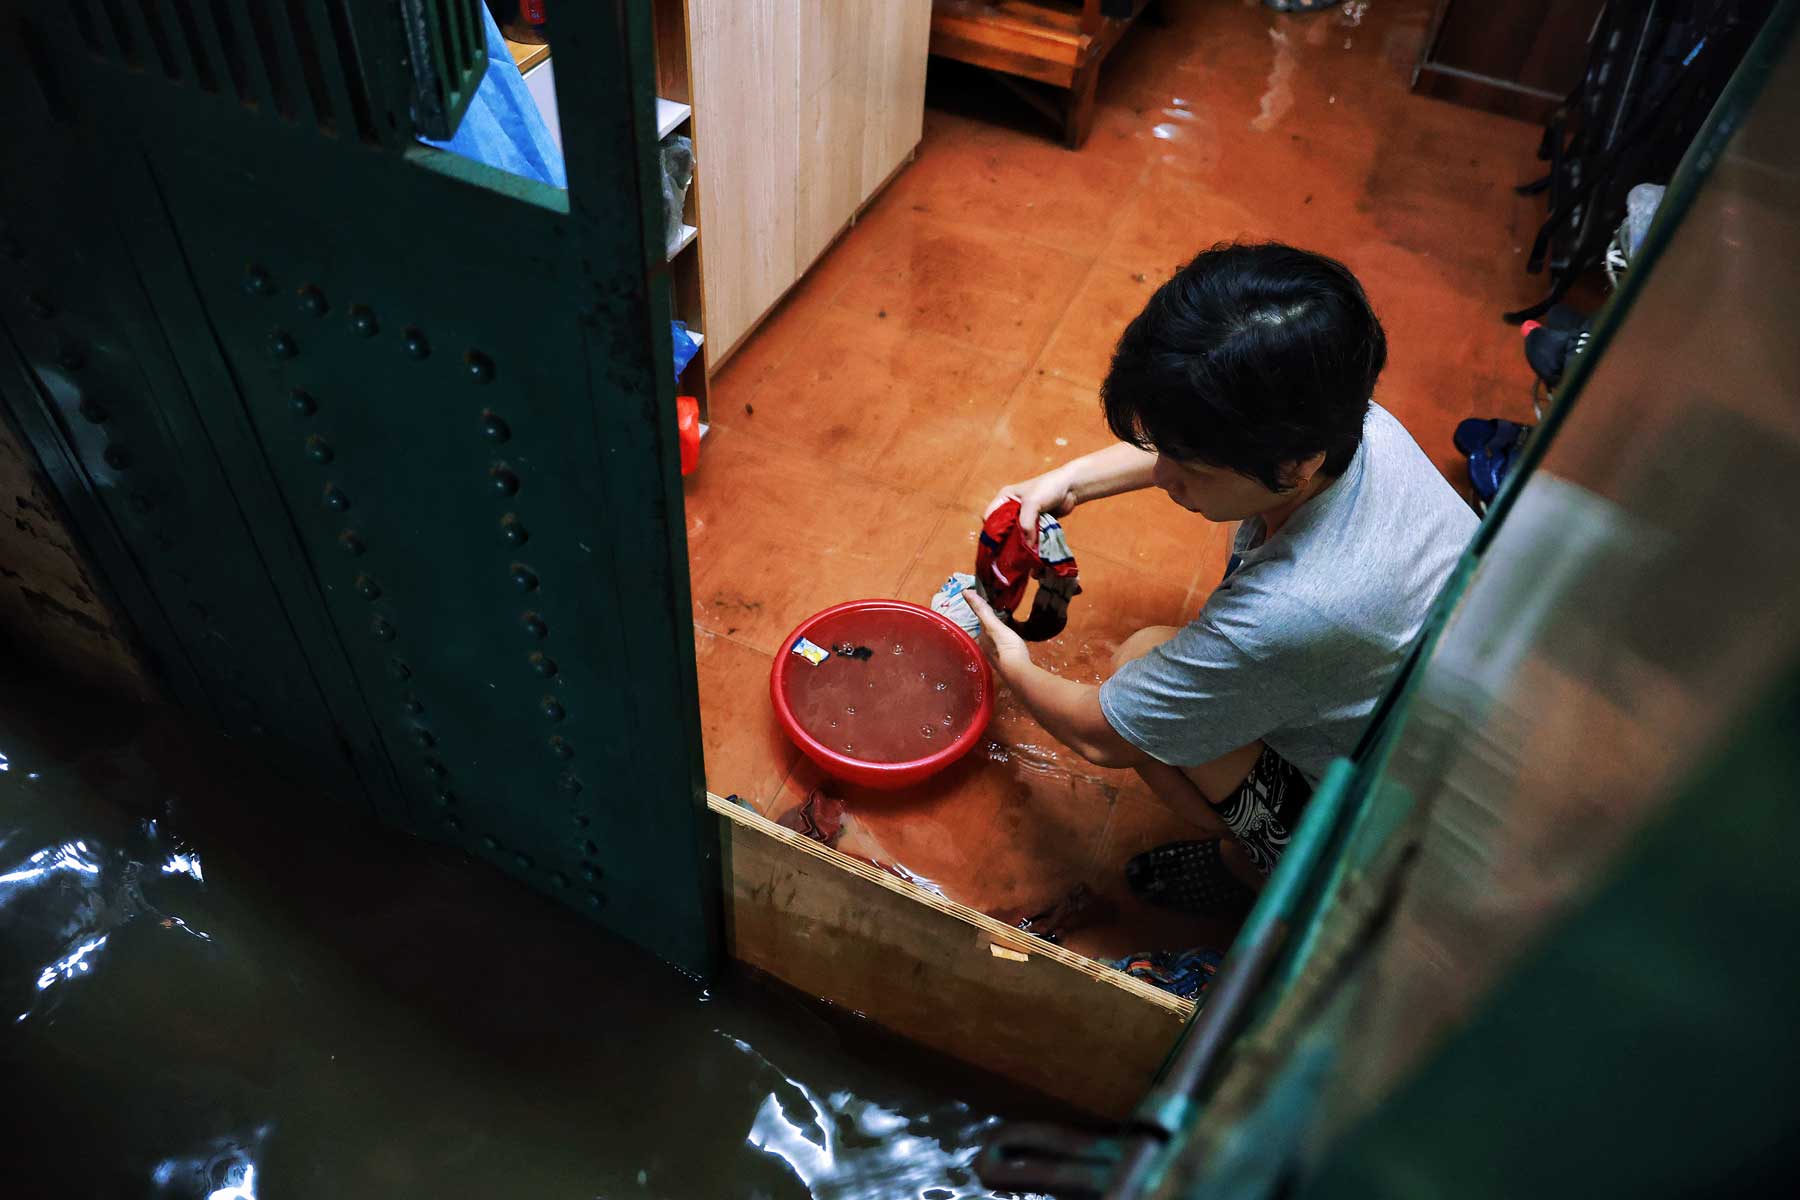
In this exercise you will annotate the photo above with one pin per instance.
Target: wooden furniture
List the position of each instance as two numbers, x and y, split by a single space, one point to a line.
1062 44
1518 60
800 113
803 112
675 118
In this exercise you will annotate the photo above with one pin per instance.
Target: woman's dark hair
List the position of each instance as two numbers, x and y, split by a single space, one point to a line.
1250 358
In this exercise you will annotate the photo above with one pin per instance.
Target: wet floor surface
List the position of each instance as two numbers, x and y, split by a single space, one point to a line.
954 341
214 984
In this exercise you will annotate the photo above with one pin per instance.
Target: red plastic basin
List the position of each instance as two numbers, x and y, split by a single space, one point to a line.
895 618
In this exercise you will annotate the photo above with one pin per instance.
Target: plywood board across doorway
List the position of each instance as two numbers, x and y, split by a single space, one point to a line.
940 973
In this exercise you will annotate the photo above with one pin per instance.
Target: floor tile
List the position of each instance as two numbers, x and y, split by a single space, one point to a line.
1081 347
1174 218
775 535
783 334
746 751
1046 422
983 288
912 409
1041 841
982 175
1138 825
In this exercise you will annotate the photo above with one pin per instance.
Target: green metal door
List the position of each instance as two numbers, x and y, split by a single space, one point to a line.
374 442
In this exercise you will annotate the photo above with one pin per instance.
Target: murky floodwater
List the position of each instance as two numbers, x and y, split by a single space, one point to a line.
211 988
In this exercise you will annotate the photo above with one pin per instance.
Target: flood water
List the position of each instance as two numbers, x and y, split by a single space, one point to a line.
214 985
895 688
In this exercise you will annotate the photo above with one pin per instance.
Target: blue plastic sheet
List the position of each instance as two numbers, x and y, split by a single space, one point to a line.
502 126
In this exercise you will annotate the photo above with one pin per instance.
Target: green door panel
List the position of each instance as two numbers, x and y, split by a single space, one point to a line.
418 416
101 395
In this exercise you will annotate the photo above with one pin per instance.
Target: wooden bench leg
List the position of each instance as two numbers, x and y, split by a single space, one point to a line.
1079 119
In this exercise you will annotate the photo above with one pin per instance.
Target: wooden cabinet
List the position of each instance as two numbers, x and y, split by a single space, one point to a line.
1518 59
802 110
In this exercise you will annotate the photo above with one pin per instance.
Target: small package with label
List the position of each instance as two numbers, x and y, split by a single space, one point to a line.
811 653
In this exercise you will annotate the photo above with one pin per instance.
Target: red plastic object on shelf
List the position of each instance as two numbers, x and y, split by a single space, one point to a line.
920 622
687 426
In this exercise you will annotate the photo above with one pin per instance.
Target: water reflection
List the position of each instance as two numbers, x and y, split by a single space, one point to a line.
92 893
843 1147
362 1016
225 1171
71 857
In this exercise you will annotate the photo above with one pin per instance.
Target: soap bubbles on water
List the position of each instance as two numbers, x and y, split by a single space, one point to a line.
899 649
851 710
940 686
925 732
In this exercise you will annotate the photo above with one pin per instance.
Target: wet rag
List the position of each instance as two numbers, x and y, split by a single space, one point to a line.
951 602
822 818
1006 558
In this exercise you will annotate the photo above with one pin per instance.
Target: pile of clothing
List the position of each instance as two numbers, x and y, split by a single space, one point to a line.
1006 559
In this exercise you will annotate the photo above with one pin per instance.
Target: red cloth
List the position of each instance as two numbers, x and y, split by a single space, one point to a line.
1005 559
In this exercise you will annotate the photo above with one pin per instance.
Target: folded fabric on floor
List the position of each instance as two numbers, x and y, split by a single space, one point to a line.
1007 557
1186 973
821 818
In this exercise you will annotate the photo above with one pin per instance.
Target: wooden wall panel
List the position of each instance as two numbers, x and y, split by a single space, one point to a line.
835 47
744 54
899 39
940 973
803 109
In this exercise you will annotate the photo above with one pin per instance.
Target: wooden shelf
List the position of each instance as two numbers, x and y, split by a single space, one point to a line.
527 55
686 239
674 113
669 116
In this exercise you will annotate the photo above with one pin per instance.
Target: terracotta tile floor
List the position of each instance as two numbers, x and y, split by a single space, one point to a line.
953 342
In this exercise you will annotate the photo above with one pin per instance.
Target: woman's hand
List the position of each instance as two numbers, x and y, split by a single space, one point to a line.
1002 644
1050 493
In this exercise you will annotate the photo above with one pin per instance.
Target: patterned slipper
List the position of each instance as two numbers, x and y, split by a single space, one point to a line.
1188 877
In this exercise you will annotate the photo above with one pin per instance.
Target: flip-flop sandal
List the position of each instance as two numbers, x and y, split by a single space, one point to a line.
1488 466
1188 877
1480 433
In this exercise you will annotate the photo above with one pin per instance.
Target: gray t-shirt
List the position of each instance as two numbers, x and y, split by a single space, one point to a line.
1296 646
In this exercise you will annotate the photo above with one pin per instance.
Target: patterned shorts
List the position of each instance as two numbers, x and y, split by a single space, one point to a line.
1266 808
